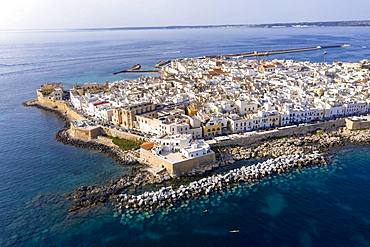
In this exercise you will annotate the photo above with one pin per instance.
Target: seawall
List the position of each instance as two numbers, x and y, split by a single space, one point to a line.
249 139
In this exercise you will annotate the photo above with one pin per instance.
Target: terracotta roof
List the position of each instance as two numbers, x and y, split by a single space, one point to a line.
147 145
101 103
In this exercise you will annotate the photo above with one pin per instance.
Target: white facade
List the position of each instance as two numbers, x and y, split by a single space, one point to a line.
245 107
174 142
75 100
197 149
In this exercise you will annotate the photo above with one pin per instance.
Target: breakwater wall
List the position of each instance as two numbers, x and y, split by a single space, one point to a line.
168 196
244 140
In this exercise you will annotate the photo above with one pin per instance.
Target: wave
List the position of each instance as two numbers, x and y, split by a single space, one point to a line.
14 65
171 52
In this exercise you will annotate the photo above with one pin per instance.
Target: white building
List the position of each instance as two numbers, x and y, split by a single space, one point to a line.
197 149
246 106
174 143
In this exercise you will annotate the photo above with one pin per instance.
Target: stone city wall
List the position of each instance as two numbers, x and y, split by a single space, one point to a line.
61 106
281 132
122 134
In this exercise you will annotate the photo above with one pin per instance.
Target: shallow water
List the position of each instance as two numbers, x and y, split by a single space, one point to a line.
321 207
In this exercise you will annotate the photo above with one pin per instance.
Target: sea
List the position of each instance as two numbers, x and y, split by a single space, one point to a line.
326 206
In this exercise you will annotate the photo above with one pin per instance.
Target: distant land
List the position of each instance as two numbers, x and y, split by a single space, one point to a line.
359 23
362 23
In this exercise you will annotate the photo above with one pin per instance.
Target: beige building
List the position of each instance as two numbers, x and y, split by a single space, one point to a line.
178 155
358 123
50 91
126 116
167 125
79 130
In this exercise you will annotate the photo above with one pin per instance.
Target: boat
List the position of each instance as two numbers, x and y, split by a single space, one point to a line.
135 67
162 63
234 231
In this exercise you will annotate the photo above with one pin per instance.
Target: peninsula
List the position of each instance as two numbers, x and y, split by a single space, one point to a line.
202 113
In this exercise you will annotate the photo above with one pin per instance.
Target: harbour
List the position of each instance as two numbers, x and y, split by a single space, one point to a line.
136 68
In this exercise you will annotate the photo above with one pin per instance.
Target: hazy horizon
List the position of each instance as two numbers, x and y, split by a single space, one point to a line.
178 26
69 14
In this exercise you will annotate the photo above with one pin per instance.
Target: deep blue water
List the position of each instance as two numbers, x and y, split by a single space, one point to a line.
320 207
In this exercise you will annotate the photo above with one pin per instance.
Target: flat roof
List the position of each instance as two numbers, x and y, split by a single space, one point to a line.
173 157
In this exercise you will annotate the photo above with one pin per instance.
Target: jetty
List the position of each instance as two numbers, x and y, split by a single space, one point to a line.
169 196
282 51
136 68
136 71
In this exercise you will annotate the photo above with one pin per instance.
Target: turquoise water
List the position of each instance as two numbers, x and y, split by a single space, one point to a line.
320 207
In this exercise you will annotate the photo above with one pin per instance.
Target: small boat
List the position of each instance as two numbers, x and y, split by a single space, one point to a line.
135 67
325 52
161 63
205 211
234 231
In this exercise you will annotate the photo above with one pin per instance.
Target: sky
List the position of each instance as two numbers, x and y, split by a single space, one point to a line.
50 14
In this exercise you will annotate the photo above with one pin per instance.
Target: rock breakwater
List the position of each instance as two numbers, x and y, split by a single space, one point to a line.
168 196
90 196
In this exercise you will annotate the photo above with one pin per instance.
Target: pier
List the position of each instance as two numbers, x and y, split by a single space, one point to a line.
283 51
136 71
240 55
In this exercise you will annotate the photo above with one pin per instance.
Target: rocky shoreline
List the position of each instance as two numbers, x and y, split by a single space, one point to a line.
89 196
62 136
123 158
319 142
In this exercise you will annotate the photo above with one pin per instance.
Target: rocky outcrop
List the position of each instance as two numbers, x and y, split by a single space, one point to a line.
321 142
90 196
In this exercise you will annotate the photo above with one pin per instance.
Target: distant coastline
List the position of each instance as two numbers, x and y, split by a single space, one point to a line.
353 23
